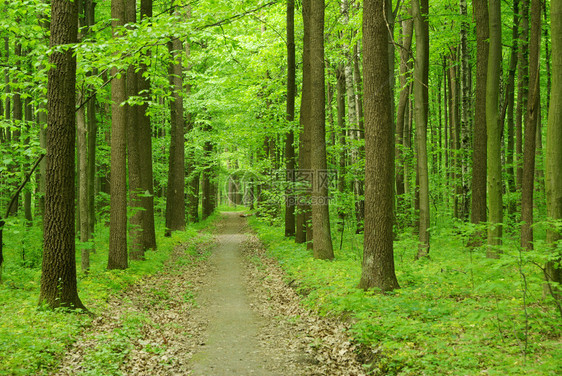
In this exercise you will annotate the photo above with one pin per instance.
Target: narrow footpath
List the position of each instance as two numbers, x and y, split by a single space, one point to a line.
228 311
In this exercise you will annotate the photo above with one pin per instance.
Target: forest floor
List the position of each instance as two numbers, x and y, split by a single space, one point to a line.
228 311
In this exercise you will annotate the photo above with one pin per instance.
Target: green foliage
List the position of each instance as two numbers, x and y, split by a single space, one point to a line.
456 313
33 339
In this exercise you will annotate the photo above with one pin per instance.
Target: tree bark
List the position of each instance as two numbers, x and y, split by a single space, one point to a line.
522 90
322 243
145 144
553 270
303 228
118 257
290 114
531 120
495 203
479 158
58 278
175 203
136 249
403 104
420 10
84 225
378 258
466 105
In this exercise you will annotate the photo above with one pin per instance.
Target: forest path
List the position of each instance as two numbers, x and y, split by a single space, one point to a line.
225 311
232 345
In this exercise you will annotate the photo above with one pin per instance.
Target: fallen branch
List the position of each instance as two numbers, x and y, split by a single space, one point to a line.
12 201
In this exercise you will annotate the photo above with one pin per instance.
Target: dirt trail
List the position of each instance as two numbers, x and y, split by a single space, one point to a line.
231 347
229 314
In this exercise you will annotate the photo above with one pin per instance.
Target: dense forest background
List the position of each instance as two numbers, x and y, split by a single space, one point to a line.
416 144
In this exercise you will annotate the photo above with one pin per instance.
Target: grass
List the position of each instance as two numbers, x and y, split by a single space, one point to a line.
457 313
33 340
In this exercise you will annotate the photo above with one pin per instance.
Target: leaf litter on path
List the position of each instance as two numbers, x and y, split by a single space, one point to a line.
166 322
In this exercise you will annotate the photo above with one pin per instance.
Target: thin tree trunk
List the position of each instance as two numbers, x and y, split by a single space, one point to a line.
531 120
84 225
403 103
466 105
290 113
479 155
509 106
495 203
175 203
553 269
522 91
420 9
303 230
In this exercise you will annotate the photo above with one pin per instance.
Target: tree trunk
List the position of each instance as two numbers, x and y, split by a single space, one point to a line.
509 105
403 104
479 158
495 203
136 249
466 105
322 244
290 113
84 225
420 9
340 100
553 270
303 229
531 120
118 257
145 144
207 194
522 91
175 203
58 278
378 259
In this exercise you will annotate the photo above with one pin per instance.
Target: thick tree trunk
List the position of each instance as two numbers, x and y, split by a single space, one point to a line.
495 203
290 113
322 243
479 158
378 259
420 10
58 278
553 270
118 256
531 120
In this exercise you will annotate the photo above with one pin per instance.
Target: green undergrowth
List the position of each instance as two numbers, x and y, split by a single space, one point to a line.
457 313
33 339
